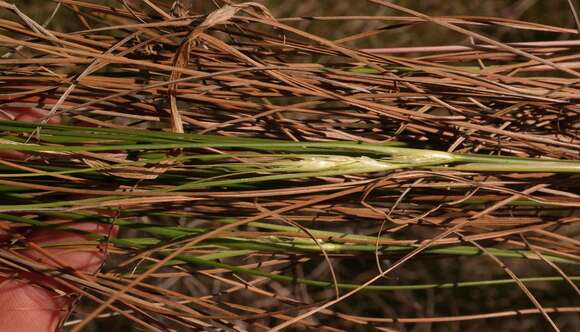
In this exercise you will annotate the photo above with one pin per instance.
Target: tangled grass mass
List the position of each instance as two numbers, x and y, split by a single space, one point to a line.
272 172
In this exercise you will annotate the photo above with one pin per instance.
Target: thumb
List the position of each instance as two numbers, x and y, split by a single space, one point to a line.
30 302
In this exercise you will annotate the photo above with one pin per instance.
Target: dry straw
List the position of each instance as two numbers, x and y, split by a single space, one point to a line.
265 177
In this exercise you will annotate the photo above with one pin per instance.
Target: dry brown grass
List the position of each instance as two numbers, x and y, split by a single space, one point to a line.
497 83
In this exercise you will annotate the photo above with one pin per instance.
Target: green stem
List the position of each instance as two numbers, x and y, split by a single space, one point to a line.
326 284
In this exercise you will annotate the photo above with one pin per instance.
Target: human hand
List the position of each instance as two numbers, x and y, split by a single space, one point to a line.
31 301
